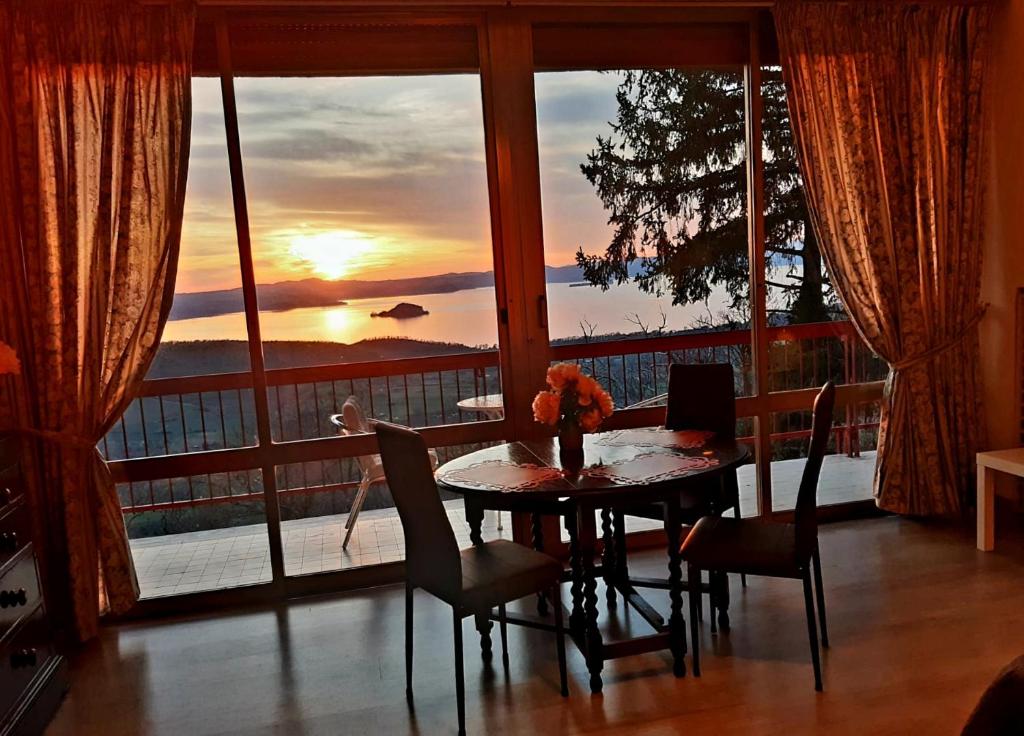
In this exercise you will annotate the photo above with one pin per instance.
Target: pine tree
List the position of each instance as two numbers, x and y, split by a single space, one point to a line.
672 176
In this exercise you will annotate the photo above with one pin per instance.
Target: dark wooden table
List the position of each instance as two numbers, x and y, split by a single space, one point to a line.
576 489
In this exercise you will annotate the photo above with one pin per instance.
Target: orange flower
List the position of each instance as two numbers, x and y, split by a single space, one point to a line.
546 407
562 374
9 362
590 420
586 389
604 403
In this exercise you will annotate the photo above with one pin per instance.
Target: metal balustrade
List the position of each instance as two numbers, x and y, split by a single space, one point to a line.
194 417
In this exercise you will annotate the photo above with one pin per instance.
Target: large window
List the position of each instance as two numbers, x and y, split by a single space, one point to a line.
420 235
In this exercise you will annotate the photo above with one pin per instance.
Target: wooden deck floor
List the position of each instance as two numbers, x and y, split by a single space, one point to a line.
920 622
224 558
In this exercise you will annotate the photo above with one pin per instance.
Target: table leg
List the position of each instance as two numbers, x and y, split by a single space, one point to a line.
537 528
484 626
576 570
475 519
986 509
608 555
587 530
621 565
676 622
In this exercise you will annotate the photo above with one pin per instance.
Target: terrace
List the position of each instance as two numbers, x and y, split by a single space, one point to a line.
189 562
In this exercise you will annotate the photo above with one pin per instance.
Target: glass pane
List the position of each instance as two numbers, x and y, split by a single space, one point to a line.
370 220
848 470
316 499
812 338
197 533
644 190
205 332
371 234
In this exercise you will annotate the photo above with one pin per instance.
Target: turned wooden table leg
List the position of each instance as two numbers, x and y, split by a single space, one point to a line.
608 563
576 570
676 622
537 528
587 529
475 519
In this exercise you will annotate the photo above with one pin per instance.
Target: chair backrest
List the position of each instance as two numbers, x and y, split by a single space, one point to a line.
432 560
354 417
807 496
702 396
355 423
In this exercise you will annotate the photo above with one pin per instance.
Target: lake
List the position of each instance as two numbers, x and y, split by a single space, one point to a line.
467 317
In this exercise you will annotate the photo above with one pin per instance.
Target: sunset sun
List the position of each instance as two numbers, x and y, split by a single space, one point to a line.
333 254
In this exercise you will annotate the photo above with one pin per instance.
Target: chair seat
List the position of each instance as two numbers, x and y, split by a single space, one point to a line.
744 546
502 571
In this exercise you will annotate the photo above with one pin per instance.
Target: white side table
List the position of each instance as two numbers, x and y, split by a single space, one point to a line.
1003 461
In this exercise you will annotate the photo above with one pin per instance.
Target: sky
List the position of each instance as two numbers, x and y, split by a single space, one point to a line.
378 177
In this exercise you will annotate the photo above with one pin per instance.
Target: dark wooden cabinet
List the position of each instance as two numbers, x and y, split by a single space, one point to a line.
33 675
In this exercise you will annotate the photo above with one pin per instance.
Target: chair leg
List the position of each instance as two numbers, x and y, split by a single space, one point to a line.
500 527
408 640
556 603
711 601
820 591
693 578
503 627
812 632
460 682
357 505
736 515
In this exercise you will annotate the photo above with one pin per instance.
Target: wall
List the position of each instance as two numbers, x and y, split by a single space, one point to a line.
1004 244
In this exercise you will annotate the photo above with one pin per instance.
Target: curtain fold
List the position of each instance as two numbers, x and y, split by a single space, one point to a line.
95 114
887 107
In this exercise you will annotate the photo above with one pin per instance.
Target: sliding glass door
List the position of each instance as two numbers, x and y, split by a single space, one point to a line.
417 214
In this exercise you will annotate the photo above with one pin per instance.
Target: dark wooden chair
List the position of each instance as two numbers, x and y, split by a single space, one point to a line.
701 397
758 547
471 581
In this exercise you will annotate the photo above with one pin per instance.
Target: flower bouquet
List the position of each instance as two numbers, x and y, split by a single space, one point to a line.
575 403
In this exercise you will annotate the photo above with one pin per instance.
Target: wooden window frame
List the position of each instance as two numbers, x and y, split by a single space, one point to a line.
505 60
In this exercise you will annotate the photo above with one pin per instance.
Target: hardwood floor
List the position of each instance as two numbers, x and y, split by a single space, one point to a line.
919 623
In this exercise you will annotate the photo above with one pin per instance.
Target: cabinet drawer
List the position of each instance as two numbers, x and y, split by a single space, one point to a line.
19 589
22 656
15 531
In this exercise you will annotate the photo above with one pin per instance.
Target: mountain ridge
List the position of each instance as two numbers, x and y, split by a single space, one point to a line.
312 292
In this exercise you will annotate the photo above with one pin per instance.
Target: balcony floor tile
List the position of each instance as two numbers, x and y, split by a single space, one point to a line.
222 558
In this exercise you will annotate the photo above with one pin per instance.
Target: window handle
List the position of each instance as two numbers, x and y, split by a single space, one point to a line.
542 311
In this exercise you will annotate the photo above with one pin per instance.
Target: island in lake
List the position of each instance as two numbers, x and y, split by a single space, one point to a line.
403 310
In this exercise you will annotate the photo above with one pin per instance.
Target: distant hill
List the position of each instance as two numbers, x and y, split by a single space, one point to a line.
201 357
285 295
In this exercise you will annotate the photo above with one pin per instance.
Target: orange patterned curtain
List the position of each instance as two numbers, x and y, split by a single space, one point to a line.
887 109
95 115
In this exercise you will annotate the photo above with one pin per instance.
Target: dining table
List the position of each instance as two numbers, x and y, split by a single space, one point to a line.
615 470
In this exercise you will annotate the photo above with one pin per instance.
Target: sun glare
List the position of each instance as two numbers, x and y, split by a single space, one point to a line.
333 254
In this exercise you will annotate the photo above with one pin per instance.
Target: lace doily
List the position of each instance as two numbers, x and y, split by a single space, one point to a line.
501 475
686 439
649 468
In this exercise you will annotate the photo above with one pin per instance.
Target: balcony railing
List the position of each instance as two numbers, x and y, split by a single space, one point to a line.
217 412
